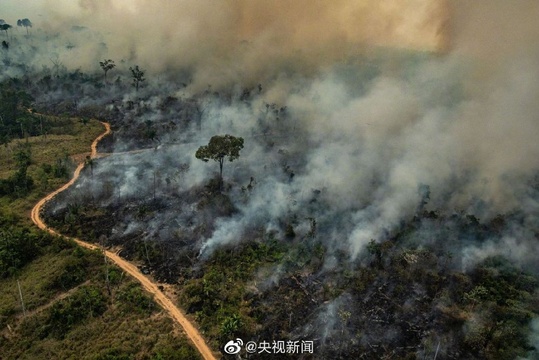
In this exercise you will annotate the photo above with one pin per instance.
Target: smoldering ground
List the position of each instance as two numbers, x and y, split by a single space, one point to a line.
357 137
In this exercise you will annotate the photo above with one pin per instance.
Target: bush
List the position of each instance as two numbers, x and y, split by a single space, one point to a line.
17 248
74 273
113 354
230 326
18 185
88 301
133 298
181 353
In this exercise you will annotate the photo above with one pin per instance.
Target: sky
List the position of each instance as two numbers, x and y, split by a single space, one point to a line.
234 39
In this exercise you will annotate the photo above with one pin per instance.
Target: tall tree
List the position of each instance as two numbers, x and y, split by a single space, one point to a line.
138 76
5 27
26 23
107 65
218 149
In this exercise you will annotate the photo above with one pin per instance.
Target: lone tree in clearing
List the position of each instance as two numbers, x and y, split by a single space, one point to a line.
219 148
107 65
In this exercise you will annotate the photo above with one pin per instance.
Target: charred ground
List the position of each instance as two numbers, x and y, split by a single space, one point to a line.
410 294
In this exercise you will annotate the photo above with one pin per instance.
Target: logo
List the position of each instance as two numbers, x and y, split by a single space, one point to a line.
233 347
274 347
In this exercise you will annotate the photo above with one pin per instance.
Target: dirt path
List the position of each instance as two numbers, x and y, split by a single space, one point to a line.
159 296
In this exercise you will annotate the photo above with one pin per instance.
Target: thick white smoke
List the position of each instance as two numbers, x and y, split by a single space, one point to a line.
377 111
229 41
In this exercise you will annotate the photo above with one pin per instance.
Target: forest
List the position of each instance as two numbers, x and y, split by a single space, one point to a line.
377 201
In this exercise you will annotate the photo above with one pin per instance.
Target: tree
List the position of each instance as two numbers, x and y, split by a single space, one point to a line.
138 76
107 65
90 162
219 148
14 106
24 22
17 248
5 27
19 183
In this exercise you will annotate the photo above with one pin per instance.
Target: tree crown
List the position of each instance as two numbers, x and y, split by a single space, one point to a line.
138 76
107 65
219 147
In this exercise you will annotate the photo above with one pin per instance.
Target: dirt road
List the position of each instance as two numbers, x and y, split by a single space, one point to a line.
159 296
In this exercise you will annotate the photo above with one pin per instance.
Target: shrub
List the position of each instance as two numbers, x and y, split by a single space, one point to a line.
17 248
133 298
88 301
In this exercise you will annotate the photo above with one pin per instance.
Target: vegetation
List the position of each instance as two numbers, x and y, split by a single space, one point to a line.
107 65
219 148
79 319
138 77
44 159
5 27
19 184
25 23
64 308
17 248
484 314
218 297
15 120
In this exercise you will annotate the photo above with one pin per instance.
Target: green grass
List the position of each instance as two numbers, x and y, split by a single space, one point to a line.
47 150
135 328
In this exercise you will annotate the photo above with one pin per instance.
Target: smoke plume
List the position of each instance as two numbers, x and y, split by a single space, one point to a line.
382 97
230 41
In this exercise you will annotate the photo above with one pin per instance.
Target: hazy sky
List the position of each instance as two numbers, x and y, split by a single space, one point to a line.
222 39
403 22
11 10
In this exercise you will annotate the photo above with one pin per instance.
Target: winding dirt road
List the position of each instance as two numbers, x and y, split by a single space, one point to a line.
159 296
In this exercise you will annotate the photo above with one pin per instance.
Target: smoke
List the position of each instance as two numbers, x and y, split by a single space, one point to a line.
374 113
534 338
237 41
367 113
